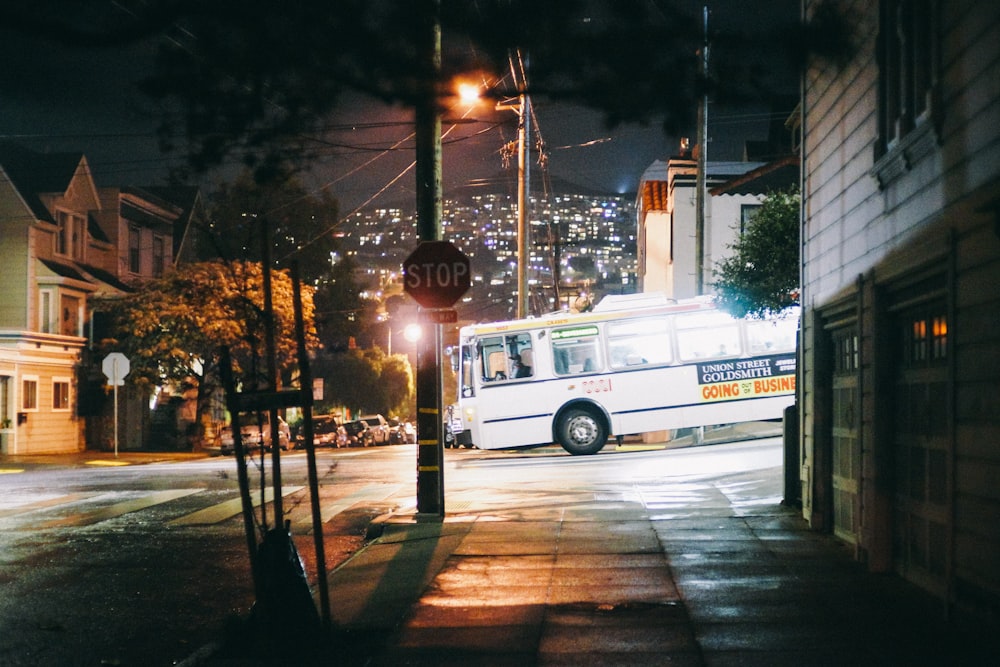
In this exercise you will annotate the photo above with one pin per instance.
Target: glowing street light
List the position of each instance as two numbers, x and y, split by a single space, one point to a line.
412 332
468 93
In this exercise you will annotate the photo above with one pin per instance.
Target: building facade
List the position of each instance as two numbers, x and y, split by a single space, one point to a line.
899 413
65 241
47 235
666 208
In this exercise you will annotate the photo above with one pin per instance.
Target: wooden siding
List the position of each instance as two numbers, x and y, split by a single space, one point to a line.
15 220
937 210
46 430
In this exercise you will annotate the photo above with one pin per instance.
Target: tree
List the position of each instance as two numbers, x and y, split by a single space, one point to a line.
342 313
300 223
301 227
365 381
396 380
761 276
256 81
172 329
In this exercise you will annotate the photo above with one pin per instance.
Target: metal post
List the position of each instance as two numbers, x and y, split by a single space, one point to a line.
246 502
116 407
305 388
430 448
272 374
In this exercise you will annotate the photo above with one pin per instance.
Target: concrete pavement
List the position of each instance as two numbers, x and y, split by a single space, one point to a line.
699 572
693 571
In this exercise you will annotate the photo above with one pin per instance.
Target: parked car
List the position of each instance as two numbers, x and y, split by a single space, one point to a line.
327 431
379 428
253 435
402 433
358 433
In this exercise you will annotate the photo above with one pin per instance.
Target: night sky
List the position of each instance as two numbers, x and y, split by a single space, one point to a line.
54 98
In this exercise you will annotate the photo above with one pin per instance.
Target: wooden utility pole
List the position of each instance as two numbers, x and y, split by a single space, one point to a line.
700 181
523 198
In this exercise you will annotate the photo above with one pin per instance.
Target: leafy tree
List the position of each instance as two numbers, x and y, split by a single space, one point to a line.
301 227
365 381
396 380
257 80
173 328
342 313
300 223
349 380
761 275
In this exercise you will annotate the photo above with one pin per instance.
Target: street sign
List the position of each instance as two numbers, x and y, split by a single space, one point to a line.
115 366
439 315
436 274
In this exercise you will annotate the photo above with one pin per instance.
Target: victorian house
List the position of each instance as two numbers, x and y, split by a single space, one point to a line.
64 240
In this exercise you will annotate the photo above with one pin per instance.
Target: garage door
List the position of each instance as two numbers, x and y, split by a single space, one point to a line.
921 428
846 453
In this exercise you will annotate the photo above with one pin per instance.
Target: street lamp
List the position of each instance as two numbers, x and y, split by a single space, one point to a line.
470 94
523 110
412 332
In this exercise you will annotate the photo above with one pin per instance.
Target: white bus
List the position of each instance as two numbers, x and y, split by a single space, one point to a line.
628 367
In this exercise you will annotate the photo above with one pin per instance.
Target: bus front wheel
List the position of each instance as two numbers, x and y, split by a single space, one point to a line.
580 432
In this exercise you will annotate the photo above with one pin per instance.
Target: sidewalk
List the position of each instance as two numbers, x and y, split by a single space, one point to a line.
12 462
696 572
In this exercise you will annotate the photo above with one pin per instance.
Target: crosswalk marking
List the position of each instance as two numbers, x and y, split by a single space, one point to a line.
371 492
302 519
216 513
125 507
42 504
229 508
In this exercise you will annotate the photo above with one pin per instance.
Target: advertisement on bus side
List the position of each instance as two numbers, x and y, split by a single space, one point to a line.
737 379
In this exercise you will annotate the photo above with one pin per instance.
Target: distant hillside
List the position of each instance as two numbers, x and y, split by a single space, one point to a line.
505 182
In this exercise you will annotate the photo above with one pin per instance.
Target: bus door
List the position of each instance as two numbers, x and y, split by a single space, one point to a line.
466 370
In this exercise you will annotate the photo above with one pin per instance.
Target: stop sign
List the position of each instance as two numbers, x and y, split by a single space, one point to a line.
436 274
116 366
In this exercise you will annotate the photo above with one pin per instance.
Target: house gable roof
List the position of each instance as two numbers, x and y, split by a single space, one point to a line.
35 173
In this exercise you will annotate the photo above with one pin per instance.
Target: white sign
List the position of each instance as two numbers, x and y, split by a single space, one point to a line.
115 366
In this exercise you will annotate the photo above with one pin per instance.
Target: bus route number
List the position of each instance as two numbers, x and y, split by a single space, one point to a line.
596 386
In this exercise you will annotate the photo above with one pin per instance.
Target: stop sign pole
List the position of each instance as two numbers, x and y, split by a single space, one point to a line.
436 275
427 117
116 366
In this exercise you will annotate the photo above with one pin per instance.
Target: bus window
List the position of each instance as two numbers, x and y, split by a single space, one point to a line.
491 366
765 336
506 357
638 342
576 350
707 336
520 356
